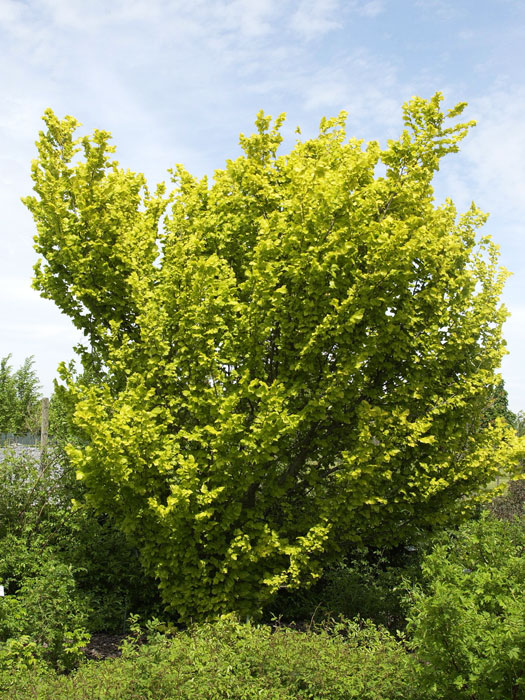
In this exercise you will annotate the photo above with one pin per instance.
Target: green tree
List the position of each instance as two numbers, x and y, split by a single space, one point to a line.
297 355
519 423
19 397
498 405
7 396
28 397
61 409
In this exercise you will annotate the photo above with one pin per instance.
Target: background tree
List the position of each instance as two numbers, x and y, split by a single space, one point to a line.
19 397
62 406
297 356
498 405
519 423
7 395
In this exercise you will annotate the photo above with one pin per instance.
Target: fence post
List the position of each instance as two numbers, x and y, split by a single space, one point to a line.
45 424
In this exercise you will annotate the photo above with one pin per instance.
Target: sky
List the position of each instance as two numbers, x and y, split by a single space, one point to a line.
177 81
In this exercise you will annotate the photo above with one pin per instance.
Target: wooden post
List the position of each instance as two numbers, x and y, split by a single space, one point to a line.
45 424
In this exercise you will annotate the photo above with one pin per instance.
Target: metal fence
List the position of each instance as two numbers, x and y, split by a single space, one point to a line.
28 439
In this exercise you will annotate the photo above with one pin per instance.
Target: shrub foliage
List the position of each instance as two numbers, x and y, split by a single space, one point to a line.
295 355
468 620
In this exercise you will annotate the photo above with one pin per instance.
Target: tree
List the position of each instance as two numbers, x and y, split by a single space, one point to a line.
19 397
28 397
498 405
7 395
296 356
62 406
519 423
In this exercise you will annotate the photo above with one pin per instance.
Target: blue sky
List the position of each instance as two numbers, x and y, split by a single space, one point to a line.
176 82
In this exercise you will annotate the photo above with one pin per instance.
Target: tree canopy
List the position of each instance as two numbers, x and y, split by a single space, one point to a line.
294 356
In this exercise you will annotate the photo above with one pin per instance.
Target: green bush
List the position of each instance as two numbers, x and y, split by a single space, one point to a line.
368 584
232 660
28 489
107 571
45 620
468 619
42 517
280 373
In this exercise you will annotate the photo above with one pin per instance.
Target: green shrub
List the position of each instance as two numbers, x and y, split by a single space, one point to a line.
280 374
19 559
468 619
369 584
45 620
232 660
107 571
27 490
42 517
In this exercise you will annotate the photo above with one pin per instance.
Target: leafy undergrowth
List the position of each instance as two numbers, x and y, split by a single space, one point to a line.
233 660
69 574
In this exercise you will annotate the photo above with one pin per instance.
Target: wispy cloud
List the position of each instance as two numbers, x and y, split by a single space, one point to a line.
490 170
372 8
441 9
313 19
176 81
496 147
491 167
512 365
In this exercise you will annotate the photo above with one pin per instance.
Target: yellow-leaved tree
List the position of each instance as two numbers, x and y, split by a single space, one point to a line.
294 356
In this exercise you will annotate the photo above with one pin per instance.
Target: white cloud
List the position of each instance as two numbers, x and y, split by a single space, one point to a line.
512 365
371 8
34 326
251 19
16 289
367 87
175 18
496 147
441 9
326 89
313 19
175 81
491 171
